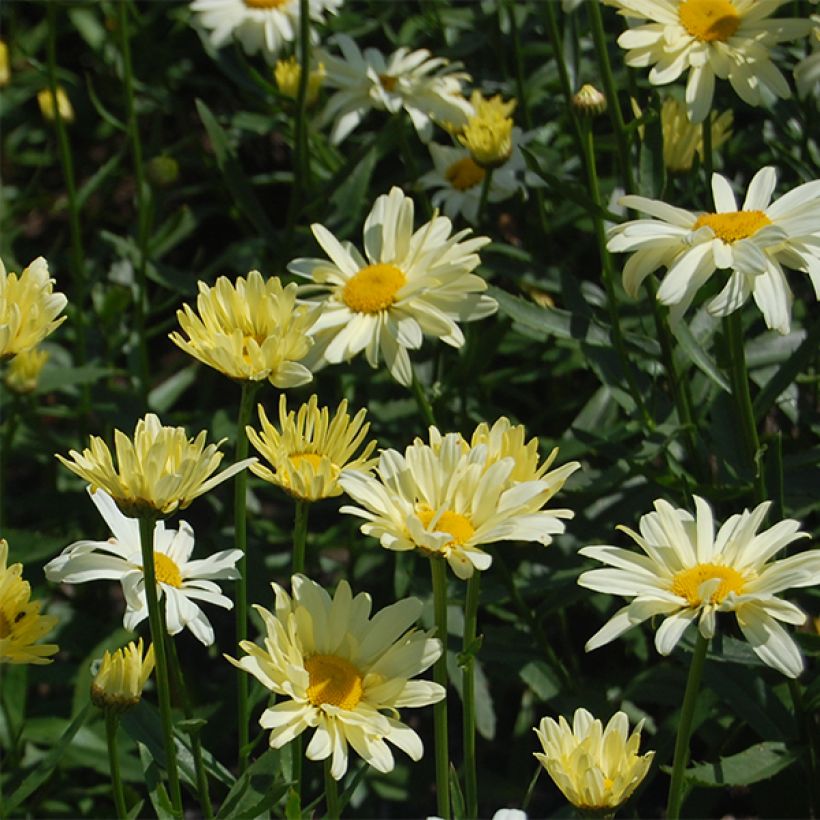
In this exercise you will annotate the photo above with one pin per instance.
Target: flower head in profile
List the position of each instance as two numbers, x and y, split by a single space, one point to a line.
121 677
688 573
488 133
713 39
158 471
407 285
287 74
343 673
266 26
63 107
24 370
250 330
29 308
179 579
596 768
588 101
428 88
21 624
752 244
310 449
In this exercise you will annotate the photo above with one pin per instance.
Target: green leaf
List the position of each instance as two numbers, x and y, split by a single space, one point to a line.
541 679
698 356
153 782
61 377
353 195
164 396
456 794
181 224
256 790
758 762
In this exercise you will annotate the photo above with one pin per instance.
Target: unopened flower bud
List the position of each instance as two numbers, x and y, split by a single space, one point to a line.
589 101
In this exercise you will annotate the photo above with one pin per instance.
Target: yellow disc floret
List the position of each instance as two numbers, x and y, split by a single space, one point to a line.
688 583
464 174
373 288
167 571
265 4
709 20
734 225
449 521
333 680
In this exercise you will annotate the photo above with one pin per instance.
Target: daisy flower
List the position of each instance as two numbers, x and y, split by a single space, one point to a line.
488 132
407 284
342 672
753 244
121 677
724 39
259 25
310 449
687 573
446 501
596 768
428 88
182 581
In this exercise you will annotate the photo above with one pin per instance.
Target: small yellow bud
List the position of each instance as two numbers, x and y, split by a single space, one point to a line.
119 681
287 74
589 101
5 65
162 171
45 100
24 370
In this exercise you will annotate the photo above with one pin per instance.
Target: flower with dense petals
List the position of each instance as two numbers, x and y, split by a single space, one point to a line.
753 244
596 768
287 74
310 449
259 25
488 133
158 471
428 88
448 499
121 677
408 284
249 330
724 39
23 371
28 308
182 581
345 673
688 573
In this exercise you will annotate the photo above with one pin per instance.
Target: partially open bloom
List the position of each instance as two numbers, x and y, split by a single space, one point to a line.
407 285
487 134
182 581
688 574
45 99
28 308
24 370
589 101
753 244
250 330
427 87
287 74
343 672
310 449
21 624
596 768
121 677
158 471
5 65
724 39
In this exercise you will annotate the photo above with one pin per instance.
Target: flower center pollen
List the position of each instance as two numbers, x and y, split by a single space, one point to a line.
688 583
333 680
314 459
451 522
709 20
373 289
388 82
167 571
734 225
265 4
464 174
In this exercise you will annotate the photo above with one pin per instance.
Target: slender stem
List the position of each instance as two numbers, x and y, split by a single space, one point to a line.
438 567
808 734
685 728
468 693
161 662
425 408
706 131
531 788
112 723
331 793
300 529
486 184
519 67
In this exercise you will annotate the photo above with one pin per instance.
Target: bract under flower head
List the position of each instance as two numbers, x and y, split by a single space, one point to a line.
121 677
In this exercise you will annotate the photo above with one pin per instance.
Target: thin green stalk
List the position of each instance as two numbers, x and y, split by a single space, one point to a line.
300 529
438 567
112 723
519 66
241 539
146 524
808 735
468 693
706 130
531 788
486 184
685 728
331 793
425 408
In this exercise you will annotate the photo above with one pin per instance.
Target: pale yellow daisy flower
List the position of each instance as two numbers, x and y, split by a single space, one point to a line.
121 677
488 133
287 74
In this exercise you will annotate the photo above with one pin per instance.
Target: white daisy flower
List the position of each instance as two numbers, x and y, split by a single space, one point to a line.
724 39
687 574
182 581
753 244
427 87
259 25
408 284
343 672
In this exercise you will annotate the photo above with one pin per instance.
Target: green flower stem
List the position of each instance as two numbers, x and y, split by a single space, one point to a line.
425 408
685 728
438 567
241 539
146 524
112 723
486 184
808 735
739 377
706 130
468 693
331 792
300 530
531 788
519 68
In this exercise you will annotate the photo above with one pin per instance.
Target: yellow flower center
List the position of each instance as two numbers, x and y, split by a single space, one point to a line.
687 583
314 459
464 174
388 81
373 288
265 4
734 225
608 782
709 20
166 570
333 680
452 522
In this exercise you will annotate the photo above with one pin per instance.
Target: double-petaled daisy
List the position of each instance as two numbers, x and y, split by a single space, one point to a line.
428 88
407 285
753 244
342 672
724 39
182 581
688 573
